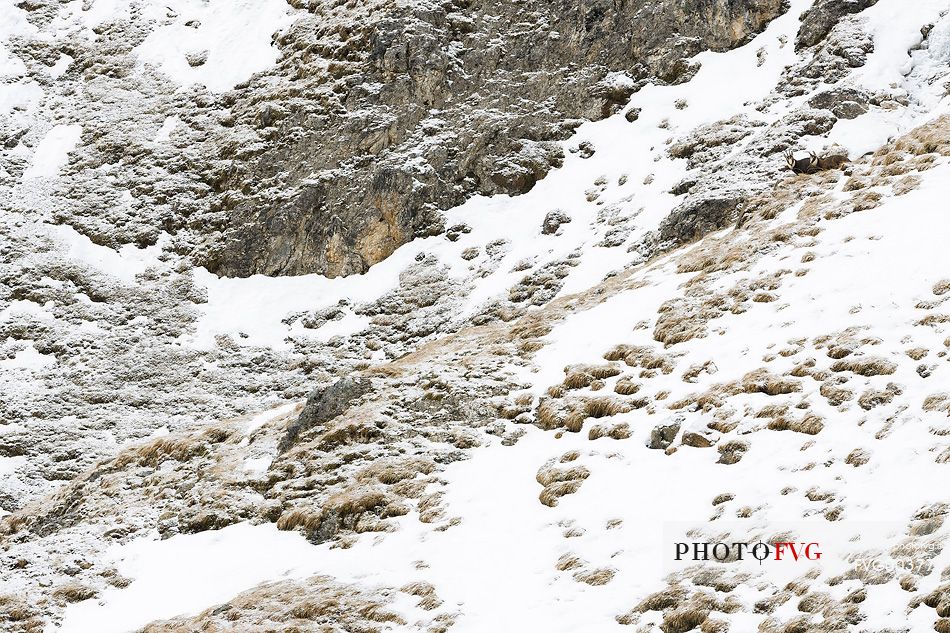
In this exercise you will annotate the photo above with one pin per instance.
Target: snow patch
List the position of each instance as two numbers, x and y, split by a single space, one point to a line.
123 264
190 572
52 152
234 34
28 358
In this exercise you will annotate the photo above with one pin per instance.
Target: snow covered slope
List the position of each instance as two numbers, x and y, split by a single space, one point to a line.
670 339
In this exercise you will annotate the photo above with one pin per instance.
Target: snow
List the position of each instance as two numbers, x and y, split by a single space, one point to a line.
20 307
123 264
265 417
896 30
257 464
251 309
235 33
189 572
164 132
51 153
28 358
62 64
9 464
12 22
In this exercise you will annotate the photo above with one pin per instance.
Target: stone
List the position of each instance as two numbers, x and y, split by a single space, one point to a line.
662 435
845 103
325 404
553 221
818 20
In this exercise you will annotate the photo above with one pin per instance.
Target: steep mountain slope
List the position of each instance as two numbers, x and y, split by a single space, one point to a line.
669 339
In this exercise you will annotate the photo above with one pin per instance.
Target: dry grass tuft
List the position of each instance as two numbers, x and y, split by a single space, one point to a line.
679 322
602 372
300 518
858 457
577 380
811 424
559 482
662 600
180 449
74 592
626 387
761 381
529 347
391 471
556 391
835 395
524 399
376 613
596 577
732 451
551 494
619 352
348 433
682 620
531 327
354 501
617 431
714 626
772 411
874 397
549 414
605 406
548 475
866 366
568 561
937 402
428 599
866 200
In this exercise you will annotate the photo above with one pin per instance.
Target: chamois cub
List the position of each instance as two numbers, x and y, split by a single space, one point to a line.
813 163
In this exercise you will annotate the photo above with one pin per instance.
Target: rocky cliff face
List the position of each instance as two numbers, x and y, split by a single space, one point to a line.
375 119
646 323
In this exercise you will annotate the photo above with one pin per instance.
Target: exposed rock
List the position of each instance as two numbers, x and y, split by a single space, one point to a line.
818 20
845 103
698 216
325 404
632 114
663 434
553 221
378 117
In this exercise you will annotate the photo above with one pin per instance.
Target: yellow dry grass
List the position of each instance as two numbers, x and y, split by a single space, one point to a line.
865 366
626 387
74 592
811 424
596 577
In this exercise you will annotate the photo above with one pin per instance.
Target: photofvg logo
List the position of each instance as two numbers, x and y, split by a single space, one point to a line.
879 549
740 551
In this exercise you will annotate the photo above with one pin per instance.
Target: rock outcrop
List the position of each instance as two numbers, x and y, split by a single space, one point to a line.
376 118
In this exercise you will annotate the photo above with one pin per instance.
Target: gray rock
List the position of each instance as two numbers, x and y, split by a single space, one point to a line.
700 215
818 20
368 129
325 404
663 434
845 103
553 221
